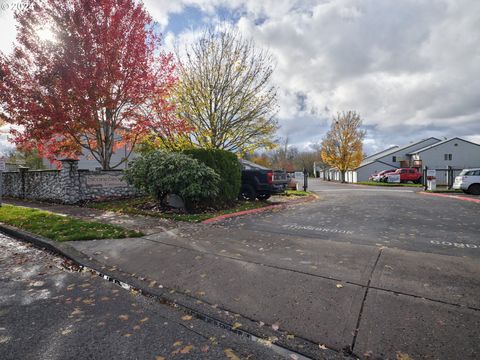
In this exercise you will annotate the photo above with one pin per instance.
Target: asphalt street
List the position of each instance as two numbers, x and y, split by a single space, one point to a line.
393 217
380 273
48 311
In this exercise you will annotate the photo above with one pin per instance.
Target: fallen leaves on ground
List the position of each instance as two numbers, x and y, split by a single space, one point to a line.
184 350
290 337
230 354
76 311
236 325
403 356
177 343
186 317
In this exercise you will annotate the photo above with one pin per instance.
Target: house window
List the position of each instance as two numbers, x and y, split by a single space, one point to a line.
448 157
394 159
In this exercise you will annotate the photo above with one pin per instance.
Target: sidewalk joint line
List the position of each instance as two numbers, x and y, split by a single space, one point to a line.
315 275
357 326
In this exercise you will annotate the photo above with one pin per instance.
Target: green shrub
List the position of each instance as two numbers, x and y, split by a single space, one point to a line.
160 173
226 165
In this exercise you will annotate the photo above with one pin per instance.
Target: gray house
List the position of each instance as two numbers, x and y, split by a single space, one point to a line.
433 153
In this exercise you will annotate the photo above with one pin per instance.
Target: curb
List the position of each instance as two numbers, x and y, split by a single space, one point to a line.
462 198
308 198
302 348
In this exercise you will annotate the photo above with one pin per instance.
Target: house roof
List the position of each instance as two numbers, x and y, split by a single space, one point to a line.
376 155
391 151
441 143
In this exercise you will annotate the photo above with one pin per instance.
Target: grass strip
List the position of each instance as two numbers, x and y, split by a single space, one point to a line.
59 227
375 183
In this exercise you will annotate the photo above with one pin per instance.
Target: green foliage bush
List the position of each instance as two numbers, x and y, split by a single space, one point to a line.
160 173
226 165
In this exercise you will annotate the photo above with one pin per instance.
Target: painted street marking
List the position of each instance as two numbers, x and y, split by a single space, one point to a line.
313 228
455 244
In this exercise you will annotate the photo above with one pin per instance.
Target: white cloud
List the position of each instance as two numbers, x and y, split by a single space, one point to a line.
411 67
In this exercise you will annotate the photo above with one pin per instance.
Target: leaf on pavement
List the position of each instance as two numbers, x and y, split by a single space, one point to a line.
236 325
184 350
144 320
339 286
186 317
76 311
205 348
323 347
275 326
177 343
290 337
230 354
123 317
403 356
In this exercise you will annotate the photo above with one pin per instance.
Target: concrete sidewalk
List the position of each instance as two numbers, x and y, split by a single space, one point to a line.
301 292
373 301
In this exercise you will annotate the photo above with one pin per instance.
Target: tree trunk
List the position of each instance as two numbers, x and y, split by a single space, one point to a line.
343 176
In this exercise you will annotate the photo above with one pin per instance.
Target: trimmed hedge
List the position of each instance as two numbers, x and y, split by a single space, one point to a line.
226 165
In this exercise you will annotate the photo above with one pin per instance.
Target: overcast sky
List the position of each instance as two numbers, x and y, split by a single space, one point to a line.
411 68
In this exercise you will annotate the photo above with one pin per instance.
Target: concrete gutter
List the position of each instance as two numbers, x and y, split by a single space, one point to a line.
463 198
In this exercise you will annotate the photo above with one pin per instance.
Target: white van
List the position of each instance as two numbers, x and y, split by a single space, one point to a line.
468 181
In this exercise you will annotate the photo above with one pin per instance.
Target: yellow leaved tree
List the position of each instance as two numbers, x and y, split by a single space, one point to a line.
342 146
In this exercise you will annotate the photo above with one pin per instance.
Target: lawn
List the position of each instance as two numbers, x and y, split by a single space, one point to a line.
376 183
296 193
58 227
140 206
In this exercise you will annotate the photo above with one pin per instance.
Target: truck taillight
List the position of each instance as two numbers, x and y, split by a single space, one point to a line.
270 177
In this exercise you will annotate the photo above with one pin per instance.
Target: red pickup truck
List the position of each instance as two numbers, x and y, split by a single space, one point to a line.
408 174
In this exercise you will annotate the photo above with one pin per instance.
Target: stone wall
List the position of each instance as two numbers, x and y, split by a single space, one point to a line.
68 185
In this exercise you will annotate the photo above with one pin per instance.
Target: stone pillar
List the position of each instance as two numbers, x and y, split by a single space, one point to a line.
70 181
23 174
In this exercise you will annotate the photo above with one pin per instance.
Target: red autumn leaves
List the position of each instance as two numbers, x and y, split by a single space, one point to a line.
100 82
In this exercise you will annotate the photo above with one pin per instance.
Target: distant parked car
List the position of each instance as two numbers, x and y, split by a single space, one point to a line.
407 174
468 181
259 182
381 175
292 182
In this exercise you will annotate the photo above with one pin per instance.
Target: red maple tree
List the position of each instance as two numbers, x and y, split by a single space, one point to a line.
87 76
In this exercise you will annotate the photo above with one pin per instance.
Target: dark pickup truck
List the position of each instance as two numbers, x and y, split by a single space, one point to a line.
260 182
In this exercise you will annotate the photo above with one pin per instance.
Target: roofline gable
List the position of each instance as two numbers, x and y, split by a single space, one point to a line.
441 143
